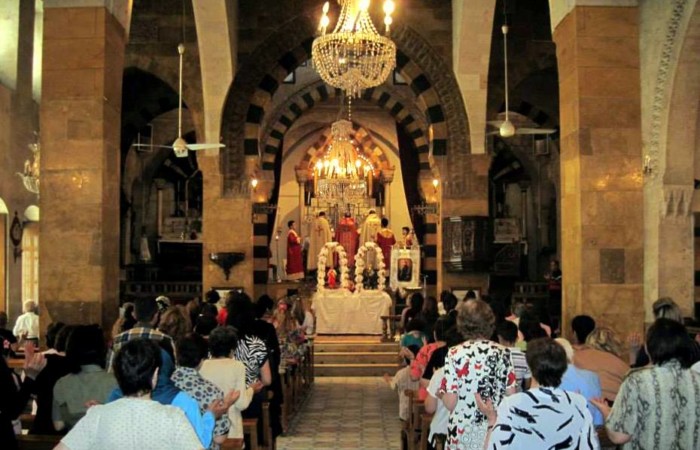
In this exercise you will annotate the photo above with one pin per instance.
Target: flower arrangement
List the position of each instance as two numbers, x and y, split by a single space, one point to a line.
329 249
360 260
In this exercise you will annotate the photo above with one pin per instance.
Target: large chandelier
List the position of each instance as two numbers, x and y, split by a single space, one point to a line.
30 174
354 56
342 174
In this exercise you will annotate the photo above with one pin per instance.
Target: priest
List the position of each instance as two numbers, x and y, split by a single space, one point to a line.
295 265
346 235
370 228
385 241
320 235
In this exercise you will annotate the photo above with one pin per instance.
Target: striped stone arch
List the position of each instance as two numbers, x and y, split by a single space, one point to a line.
532 112
365 144
402 110
258 78
430 78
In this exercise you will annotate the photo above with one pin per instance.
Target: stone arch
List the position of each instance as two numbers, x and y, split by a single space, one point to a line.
671 160
406 115
366 146
430 78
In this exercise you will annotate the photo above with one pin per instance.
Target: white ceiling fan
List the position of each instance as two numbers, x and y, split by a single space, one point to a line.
180 146
506 128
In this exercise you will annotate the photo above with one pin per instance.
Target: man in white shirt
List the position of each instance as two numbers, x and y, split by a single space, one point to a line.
134 421
27 325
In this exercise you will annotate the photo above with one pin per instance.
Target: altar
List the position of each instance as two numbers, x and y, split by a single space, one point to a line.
343 312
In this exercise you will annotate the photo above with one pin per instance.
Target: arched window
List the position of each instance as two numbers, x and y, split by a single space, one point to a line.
30 262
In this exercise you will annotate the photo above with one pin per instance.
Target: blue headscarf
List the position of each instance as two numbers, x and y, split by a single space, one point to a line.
165 391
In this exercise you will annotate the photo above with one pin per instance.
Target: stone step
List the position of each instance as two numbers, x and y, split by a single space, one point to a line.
354 370
356 358
355 347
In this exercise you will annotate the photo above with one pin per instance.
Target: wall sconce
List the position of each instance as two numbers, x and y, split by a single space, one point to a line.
647 169
436 183
226 260
254 183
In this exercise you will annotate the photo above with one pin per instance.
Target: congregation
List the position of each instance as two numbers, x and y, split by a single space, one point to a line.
181 376
492 380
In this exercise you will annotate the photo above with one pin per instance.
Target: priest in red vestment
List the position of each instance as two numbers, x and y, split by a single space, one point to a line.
385 241
295 263
347 236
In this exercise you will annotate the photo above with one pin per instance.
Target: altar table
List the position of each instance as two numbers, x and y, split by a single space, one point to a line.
342 312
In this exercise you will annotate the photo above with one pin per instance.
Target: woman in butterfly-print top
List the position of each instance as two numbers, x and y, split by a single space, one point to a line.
474 366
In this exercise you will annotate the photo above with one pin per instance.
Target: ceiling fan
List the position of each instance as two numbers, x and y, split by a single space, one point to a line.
180 146
506 128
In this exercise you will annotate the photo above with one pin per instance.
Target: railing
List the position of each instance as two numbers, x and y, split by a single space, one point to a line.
175 290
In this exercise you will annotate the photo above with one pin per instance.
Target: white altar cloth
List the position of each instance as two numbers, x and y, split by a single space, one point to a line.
342 312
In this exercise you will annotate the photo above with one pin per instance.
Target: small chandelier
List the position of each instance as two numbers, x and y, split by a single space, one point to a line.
30 175
342 173
354 56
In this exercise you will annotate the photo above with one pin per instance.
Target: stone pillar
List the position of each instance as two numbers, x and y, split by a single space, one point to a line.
80 119
302 177
676 263
601 165
387 178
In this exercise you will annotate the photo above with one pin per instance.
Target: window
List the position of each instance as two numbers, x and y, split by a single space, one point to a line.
30 262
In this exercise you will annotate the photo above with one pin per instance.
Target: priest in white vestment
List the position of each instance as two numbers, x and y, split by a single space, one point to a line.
320 235
370 227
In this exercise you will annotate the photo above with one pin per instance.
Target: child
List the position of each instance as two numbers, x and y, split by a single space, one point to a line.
507 333
414 337
402 382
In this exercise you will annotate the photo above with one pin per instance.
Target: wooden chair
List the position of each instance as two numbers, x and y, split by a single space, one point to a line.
406 431
37 441
268 440
27 420
250 429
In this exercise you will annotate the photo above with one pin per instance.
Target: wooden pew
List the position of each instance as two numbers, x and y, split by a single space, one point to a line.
37 442
232 444
425 420
250 429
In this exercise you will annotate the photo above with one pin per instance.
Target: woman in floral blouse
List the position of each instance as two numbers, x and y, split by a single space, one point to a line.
477 365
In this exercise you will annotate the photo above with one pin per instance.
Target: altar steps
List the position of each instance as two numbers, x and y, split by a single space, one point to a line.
354 356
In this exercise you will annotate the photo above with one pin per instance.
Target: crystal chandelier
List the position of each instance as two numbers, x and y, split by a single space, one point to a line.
354 56
342 174
30 175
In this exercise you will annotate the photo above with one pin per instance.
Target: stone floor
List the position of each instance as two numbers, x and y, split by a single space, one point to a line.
346 413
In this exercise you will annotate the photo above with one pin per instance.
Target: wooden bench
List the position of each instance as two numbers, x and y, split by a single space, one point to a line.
232 444
250 429
37 441
389 327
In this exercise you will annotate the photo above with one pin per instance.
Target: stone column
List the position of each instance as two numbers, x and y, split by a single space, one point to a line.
601 165
80 123
302 177
676 263
387 178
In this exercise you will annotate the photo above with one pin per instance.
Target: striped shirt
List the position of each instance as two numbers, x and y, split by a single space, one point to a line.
522 371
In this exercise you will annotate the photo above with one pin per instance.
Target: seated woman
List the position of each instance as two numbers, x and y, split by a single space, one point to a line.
411 311
88 380
602 354
289 333
190 352
544 416
228 374
658 407
165 393
136 420
16 392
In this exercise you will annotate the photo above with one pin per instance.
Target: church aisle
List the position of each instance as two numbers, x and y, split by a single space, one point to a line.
346 413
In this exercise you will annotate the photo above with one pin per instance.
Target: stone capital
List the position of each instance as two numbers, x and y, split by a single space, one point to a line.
388 175
558 9
120 9
677 202
302 174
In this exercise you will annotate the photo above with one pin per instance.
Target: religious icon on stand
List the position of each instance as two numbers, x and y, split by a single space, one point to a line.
332 276
405 270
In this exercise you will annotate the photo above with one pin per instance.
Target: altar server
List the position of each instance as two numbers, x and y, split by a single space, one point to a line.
320 235
295 264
